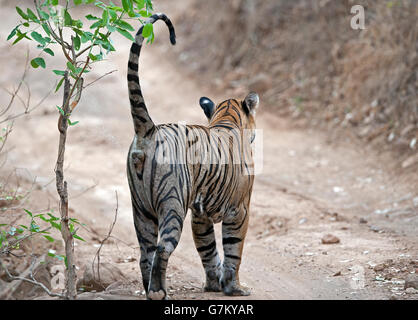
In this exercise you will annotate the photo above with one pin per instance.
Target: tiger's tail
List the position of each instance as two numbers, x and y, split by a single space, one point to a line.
143 123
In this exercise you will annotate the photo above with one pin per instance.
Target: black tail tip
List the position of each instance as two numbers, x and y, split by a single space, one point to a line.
173 38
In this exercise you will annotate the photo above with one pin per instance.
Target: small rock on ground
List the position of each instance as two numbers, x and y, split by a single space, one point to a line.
330 239
109 274
411 281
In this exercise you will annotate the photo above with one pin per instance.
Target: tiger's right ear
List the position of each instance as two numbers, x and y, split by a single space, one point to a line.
208 106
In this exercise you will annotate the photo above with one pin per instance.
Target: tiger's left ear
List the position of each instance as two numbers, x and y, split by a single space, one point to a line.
250 103
208 106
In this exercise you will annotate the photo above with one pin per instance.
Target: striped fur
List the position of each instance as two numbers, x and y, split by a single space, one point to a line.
208 169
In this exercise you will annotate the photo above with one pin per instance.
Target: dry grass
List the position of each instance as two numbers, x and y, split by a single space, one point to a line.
307 63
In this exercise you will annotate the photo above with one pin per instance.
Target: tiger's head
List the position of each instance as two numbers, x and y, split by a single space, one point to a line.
238 113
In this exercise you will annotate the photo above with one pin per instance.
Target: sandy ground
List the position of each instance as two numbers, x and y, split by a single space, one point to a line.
311 185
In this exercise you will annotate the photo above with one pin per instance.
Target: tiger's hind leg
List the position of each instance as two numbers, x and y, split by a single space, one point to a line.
204 239
234 229
147 234
170 227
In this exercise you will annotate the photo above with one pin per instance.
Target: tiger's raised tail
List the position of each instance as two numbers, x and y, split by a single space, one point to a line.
143 123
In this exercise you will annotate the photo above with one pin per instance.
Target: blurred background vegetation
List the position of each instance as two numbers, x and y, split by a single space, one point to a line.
308 64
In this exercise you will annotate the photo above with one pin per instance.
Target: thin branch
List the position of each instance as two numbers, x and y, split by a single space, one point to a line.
99 78
8 249
18 87
105 239
28 109
7 292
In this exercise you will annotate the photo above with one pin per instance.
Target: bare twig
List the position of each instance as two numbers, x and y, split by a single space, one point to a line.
6 293
104 240
85 190
28 109
99 78
22 79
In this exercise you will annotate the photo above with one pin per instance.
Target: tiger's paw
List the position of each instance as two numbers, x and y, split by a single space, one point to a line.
212 286
236 290
213 282
157 295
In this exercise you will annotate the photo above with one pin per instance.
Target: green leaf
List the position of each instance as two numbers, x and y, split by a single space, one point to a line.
68 21
60 110
97 24
145 14
113 14
105 17
151 38
38 62
55 225
77 43
148 5
86 36
71 67
79 238
46 29
59 72
111 28
74 220
20 36
140 3
77 23
126 4
93 57
31 15
50 239
90 17
72 123
43 15
54 2
29 213
147 30
12 34
125 33
22 14
77 2
53 218
59 84
36 36
49 51
124 25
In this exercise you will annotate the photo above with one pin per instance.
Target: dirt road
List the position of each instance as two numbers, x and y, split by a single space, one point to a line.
311 185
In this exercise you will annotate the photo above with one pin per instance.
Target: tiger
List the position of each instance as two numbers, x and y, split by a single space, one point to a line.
167 175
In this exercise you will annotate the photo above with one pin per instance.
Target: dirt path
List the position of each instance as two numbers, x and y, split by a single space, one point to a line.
309 187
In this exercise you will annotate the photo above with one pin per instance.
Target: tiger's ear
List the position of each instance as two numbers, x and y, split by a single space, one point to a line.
250 103
208 106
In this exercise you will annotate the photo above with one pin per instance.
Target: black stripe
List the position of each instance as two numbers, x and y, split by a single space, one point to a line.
204 234
208 247
137 92
173 241
135 48
133 66
133 77
231 240
232 257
